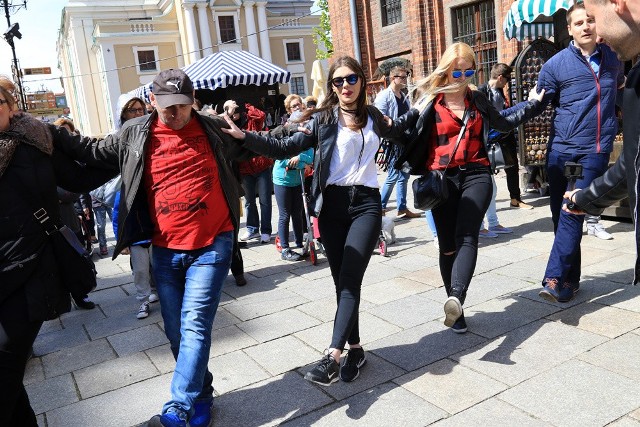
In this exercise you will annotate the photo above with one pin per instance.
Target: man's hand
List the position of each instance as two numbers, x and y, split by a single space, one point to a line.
293 162
570 196
234 131
534 95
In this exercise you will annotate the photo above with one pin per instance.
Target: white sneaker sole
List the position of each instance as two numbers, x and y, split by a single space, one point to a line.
452 311
331 381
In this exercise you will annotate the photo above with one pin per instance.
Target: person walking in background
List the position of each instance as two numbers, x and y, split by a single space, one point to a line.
582 82
595 227
344 197
393 102
449 136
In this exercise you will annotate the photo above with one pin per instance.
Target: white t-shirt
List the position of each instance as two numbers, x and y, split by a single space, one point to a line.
352 161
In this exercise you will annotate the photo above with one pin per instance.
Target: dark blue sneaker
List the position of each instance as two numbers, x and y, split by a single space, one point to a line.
202 415
551 291
567 292
460 325
166 420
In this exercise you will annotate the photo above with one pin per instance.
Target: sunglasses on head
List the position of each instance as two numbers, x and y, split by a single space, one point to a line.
456 74
339 81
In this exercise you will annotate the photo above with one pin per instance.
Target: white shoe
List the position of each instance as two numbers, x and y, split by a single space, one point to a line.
265 238
153 297
598 231
249 235
452 311
143 311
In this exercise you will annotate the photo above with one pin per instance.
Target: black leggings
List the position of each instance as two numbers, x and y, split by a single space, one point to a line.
17 334
458 223
349 224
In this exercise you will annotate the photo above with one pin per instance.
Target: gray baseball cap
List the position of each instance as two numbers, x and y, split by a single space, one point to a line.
172 87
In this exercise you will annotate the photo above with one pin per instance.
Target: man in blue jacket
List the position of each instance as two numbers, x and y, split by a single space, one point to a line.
581 81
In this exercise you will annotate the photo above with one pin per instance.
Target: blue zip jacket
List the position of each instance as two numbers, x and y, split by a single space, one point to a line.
291 177
585 120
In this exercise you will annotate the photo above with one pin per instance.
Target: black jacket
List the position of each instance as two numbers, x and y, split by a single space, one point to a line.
621 179
417 140
324 133
125 152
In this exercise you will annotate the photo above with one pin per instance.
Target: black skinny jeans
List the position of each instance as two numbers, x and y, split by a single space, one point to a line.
349 224
458 223
513 177
289 201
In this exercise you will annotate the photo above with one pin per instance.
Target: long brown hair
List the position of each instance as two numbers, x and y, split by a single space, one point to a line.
331 98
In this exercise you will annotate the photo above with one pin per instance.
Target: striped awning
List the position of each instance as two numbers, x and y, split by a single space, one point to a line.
519 22
228 68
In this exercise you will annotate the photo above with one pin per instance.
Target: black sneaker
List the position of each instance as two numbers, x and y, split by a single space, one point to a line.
353 361
289 255
325 372
460 325
85 303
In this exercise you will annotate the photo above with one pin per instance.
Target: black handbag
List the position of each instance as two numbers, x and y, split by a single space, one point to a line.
77 270
496 156
431 190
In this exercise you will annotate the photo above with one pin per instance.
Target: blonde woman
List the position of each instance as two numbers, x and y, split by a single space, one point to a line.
444 97
292 103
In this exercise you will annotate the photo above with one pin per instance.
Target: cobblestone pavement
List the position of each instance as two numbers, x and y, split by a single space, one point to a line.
524 361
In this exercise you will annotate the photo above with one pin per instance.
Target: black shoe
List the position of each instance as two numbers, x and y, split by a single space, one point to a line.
289 255
325 372
85 303
353 361
460 325
243 245
240 280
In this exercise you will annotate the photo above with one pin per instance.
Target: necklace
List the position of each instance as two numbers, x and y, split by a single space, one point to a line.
349 111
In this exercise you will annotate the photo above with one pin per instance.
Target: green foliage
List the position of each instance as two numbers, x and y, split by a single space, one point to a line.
323 32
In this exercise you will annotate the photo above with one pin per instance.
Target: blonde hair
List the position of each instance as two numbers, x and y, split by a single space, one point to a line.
289 99
64 122
436 82
8 90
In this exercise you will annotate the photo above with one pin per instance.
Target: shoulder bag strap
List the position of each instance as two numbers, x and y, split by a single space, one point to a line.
463 129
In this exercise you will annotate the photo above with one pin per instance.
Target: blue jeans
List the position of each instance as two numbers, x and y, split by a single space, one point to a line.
101 213
395 176
564 259
492 213
189 284
431 223
264 185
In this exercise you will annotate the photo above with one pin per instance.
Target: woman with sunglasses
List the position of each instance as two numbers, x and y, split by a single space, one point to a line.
345 133
445 97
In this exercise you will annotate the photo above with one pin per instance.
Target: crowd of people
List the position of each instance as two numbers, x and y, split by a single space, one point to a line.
171 179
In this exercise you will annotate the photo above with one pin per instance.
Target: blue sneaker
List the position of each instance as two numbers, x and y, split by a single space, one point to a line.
499 229
568 291
202 415
166 420
551 291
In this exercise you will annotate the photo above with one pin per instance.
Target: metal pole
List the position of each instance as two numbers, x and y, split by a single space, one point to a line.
354 27
18 72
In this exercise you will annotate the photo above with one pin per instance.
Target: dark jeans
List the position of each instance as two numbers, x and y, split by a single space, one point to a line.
513 177
289 201
261 184
17 334
565 258
458 223
237 263
350 224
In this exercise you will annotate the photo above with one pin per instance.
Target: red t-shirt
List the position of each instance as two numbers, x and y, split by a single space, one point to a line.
186 202
445 134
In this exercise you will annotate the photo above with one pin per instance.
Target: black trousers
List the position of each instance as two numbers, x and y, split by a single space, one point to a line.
17 334
349 223
513 177
237 264
458 223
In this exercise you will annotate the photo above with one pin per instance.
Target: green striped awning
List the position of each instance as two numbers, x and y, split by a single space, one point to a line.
519 22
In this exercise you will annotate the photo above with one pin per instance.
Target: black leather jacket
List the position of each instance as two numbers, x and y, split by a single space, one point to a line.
323 136
417 141
125 152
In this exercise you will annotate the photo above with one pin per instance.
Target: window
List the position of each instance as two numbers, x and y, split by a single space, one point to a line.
293 52
146 58
298 86
476 25
227 29
391 12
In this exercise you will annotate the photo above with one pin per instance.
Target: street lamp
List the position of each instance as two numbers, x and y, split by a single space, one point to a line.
14 31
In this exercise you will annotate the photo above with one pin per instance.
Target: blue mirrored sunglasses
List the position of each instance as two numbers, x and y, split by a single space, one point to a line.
456 74
339 81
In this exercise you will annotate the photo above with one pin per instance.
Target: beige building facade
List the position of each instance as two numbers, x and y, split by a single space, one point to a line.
110 47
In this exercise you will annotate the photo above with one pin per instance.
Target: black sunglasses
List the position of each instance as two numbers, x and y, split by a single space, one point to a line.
339 81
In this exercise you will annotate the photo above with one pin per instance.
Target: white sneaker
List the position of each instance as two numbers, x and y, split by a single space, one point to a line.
265 238
598 231
143 312
249 235
153 297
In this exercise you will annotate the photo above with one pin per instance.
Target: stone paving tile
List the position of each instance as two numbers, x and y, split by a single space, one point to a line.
120 323
531 269
500 315
77 318
596 405
616 264
625 422
324 309
624 297
114 374
429 276
450 386
52 393
510 253
608 321
49 342
277 324
113 281
412 262
112 295
409 312
318 289
380 272
420 346
391 290
617 355
263 303
373 328
267 270
227 376
384 405
231 338
492 412
34 371
487 286
312 272
635 414
528 351
162 358
72 358
224 319
127 406
485 263
127 307
137 340
282 354
317 337
50 326
269 402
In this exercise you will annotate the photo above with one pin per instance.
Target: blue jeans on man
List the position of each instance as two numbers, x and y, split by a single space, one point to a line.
189 283
262 184
564 259
395 176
